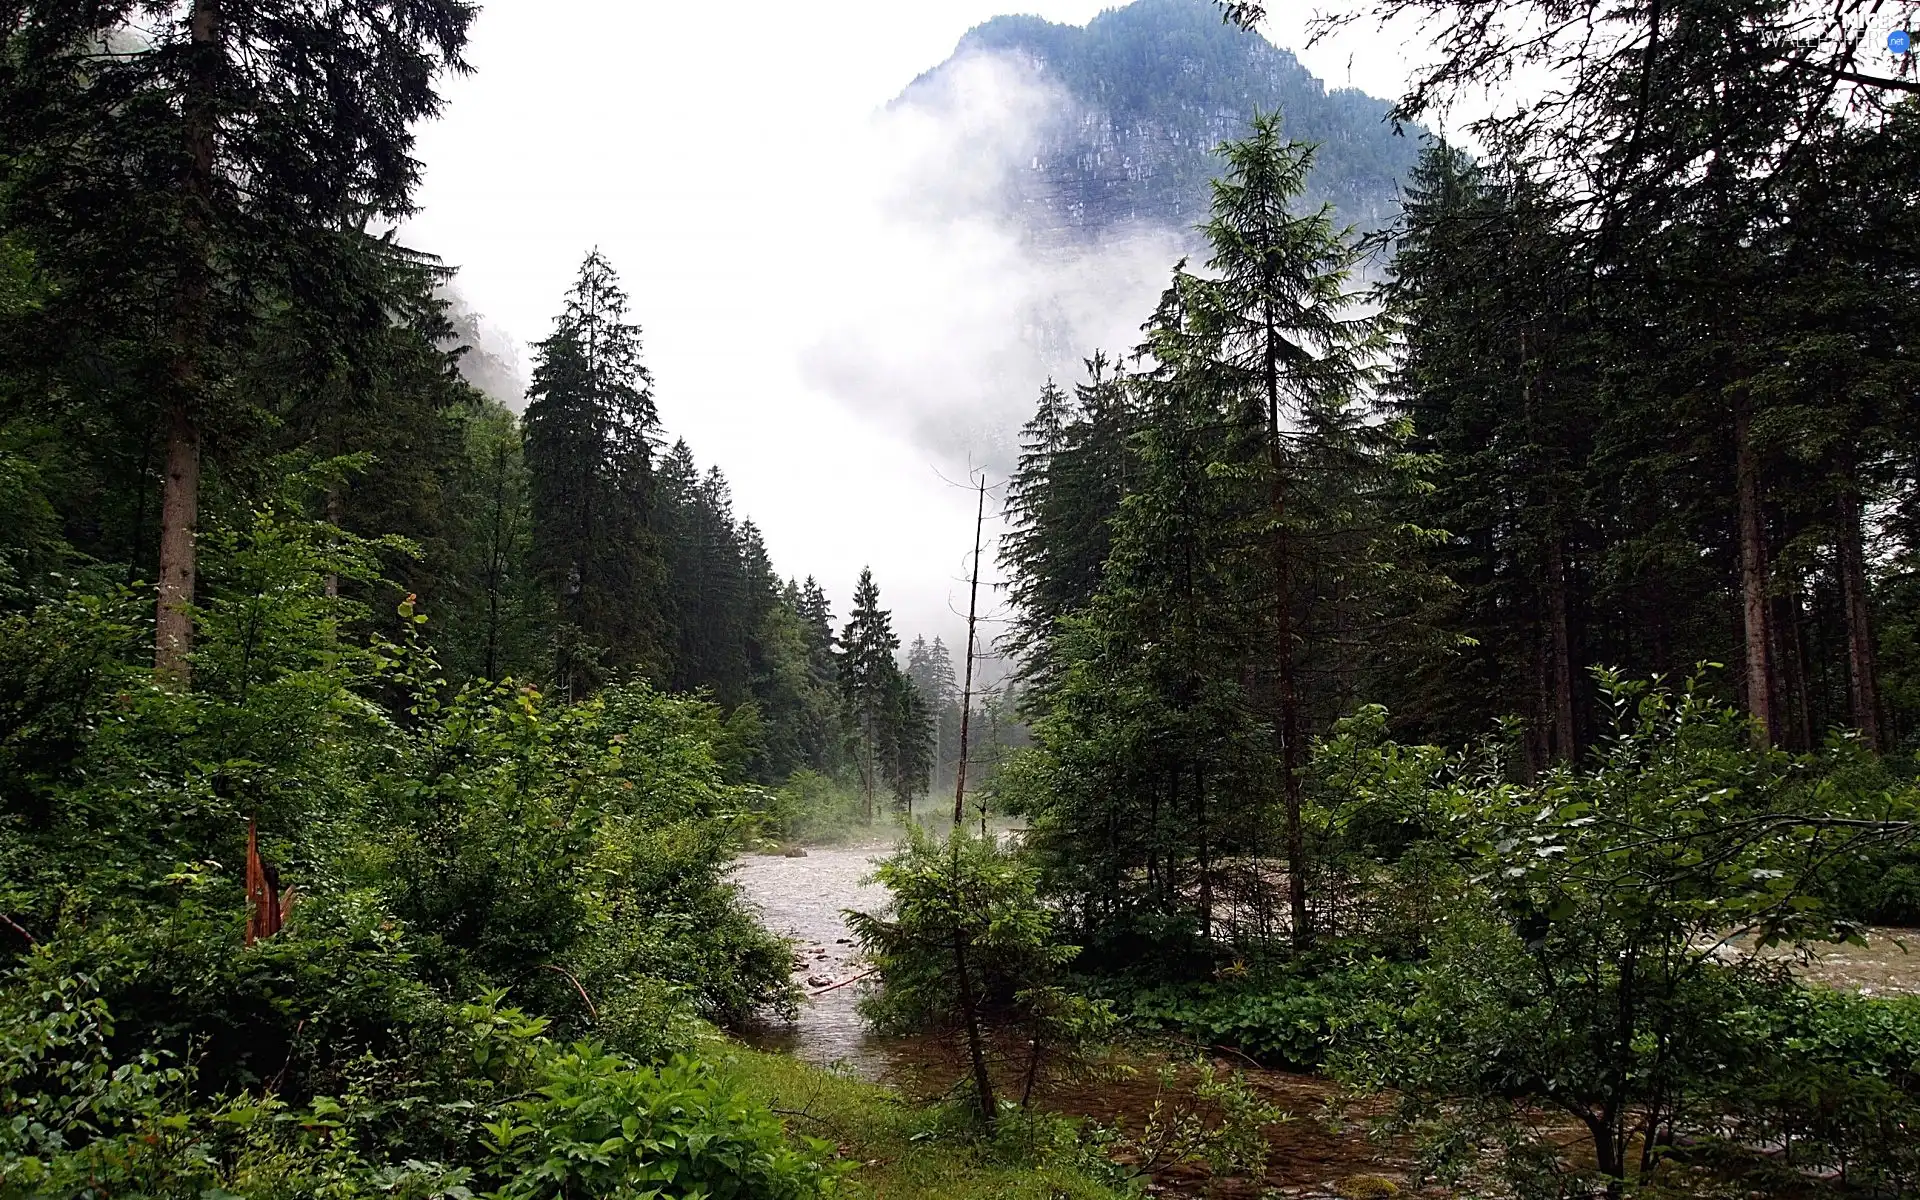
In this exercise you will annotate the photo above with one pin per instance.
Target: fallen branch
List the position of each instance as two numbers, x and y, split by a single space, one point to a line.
842 983
16 928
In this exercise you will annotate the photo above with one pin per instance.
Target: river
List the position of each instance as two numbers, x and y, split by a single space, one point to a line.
803 899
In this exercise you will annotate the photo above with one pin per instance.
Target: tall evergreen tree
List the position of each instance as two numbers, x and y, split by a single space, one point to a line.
907 743
930 666
1497 379
498 614
220 162
1293 343
868 672
590 426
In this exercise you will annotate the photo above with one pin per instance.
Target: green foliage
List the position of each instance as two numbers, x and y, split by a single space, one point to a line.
589 425
585 1120
466 840
1294 1016
810 807
1585 971
966 891
965 946
530 1118
1201 1116
1209 567
1837 1083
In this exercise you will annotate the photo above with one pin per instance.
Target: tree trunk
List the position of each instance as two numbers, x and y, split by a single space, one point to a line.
1566 745
180 489
1756 626
179 514
966 691
1205 851
1790 652
1863 690
1539 740
976 1047
1288 727
333 519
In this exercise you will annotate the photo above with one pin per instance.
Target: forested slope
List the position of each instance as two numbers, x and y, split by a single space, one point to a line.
1152 87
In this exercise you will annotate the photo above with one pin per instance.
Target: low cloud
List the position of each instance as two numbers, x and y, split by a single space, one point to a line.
963 305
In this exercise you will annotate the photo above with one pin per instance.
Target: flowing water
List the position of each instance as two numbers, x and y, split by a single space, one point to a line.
803 899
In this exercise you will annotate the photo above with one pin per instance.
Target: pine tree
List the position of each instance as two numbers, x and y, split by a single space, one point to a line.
1495 378
930 666
1075 466
867 673
590 425
907 743
224 159
1299 351
493 628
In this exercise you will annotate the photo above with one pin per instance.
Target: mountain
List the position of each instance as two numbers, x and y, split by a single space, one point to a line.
1151 89
491 361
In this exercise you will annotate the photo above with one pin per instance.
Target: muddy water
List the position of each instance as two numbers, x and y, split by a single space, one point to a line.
802 899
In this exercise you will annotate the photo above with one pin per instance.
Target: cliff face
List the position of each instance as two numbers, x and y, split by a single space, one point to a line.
1151 89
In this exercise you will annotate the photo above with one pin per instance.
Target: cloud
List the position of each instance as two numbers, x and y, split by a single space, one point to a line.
963 306
840 302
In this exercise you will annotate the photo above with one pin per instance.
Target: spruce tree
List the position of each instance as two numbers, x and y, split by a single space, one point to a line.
868 672
590 426
219 163
1298 350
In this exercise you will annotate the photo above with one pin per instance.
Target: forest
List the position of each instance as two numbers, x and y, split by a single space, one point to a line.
1461 734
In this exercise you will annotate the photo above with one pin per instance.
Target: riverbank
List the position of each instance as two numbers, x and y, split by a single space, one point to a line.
903 1151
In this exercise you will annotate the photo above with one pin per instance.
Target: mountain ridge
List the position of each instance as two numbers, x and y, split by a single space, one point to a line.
1155 86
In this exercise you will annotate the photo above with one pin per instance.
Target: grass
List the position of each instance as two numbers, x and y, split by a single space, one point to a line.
904 1152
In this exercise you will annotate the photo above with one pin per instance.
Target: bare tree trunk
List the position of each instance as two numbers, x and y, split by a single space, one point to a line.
1565 741
179 514
1756 625
966 692
1863 681
180 489
333 519
1539 745
1288 727
976 1046
1205 851
1790 653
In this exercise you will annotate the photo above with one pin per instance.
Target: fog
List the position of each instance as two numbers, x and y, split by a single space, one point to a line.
837 310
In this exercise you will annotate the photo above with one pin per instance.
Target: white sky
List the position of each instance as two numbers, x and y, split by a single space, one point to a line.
731 169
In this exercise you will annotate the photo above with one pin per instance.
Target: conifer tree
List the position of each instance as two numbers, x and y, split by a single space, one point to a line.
930 666
220 162
495 621
590 425
907 743
1076 464
1496 379
1293 343
868 672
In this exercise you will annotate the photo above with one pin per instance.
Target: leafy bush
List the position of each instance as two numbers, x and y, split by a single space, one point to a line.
1582 972
1290 1016
440 843
1836 1084
965 945
520 1117
810 807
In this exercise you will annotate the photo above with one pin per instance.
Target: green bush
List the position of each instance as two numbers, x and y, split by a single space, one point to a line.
441 844
964 945
1289 1016
511 1115
1836 1084
809 807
